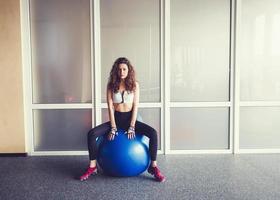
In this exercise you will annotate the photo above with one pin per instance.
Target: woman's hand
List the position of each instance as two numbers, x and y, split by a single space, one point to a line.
131 132
112 133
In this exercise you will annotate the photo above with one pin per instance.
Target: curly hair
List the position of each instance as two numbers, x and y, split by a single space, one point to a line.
115 79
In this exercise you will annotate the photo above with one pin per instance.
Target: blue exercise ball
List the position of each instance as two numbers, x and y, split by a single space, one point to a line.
123 156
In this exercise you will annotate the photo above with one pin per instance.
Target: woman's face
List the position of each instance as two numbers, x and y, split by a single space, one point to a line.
123 70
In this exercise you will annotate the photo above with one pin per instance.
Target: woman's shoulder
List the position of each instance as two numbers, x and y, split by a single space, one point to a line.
136 85
110 91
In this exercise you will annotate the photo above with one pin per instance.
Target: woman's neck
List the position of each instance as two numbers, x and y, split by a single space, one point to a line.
122 85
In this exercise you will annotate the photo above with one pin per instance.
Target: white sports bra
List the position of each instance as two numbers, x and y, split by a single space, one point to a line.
123 97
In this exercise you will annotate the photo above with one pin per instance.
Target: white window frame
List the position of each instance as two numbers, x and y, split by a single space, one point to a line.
234 104
96 106
238 103
169 104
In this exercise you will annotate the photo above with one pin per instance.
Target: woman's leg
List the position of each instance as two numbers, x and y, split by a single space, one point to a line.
151 133
92 147
91 138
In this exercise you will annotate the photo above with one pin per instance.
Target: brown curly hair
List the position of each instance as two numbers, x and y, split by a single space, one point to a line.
115 80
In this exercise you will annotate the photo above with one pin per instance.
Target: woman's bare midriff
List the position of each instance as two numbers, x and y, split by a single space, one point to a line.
123 107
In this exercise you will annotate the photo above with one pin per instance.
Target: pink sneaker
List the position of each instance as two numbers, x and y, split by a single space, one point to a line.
157 174
89 172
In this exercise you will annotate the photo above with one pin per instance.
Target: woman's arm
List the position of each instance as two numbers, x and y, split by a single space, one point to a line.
135 106
111 108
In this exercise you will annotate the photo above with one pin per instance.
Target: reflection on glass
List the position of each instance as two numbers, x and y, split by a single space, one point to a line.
61 130
259 39
260 50
60 37
200 39
131 28
199 128
275 39
259 127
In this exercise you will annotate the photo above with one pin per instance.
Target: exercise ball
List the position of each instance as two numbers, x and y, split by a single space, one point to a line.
123 157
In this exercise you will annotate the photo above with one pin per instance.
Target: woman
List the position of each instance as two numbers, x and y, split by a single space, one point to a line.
122 100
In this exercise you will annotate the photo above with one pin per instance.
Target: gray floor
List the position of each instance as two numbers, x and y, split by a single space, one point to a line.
188 177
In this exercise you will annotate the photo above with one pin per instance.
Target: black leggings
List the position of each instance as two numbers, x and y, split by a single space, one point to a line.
122 121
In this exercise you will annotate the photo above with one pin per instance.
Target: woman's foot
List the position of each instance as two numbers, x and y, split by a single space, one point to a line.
90 171
157 174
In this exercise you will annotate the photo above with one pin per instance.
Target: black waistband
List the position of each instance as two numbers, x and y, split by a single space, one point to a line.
118 112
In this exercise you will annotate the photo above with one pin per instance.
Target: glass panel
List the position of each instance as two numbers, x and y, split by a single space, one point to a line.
199 128
260 50
61 130
131 28
259 127
60 35
200 43
150 116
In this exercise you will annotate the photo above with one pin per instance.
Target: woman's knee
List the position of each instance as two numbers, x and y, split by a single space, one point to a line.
92 133
153 134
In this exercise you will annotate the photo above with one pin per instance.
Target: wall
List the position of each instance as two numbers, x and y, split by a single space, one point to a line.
11 101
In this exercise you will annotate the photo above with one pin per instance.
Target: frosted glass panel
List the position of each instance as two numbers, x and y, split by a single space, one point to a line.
200 39
131 28
60 35
199 128
61 130
260 50
259 127
150 116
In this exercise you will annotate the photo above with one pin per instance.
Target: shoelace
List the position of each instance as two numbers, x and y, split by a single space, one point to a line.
158 175
88 172
157 172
